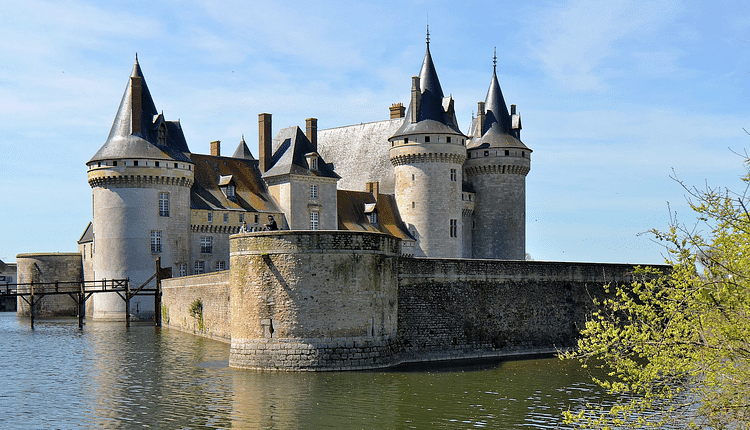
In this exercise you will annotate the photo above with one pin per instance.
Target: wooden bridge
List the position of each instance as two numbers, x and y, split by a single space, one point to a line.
80 291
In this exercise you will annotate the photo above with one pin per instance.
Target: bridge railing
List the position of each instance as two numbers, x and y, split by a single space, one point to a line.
63 287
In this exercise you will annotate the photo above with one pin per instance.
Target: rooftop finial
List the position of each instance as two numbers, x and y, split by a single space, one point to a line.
136 58
494 60
428 34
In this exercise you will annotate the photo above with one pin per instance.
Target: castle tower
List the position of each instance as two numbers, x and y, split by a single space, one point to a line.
496 168
427 153
140 180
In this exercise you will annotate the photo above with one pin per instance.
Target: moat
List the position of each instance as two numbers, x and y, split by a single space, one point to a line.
107 376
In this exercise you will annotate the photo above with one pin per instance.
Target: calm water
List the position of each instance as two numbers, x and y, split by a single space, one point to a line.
107 376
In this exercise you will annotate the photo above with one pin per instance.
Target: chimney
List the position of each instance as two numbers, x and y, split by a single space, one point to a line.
136 105
264 142
372 188
397 110
480 119
416 98
311 131
216 148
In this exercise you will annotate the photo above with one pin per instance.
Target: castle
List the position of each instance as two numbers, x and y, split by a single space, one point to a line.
416 177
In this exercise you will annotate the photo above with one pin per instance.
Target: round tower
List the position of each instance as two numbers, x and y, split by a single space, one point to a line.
140 182
496 168
427 153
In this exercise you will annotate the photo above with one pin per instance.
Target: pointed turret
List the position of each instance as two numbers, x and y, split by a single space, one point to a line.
136 129
243 151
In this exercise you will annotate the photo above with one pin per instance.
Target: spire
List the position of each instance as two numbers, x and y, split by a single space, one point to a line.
495 107
431 104
243 151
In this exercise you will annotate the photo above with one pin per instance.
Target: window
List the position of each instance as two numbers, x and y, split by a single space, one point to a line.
221 265
162 134
114 163
207 245
182 269
175 165
413 205
454 228
155 163
372 217
448 139
242 218
427 139
210 216
257 218
155 241
200 267
313 191
507 153
453 175
226 218
135 163
230 190
406 140
314 221
413 177
313 163
487 153
163 204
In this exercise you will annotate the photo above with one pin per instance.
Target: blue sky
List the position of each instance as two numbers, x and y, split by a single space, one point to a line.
615 97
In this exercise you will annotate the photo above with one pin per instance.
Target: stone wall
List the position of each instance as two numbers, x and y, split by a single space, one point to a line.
324 300
475 308
211 290
46 268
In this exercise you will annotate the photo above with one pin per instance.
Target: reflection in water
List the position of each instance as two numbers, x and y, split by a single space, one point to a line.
110 377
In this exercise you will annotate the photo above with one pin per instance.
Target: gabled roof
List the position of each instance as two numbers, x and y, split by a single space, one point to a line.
243 151
351 213
251 193
88 234
290 156
121 143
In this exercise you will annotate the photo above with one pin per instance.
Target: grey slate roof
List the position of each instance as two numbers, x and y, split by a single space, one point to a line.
122 144
88 234
352 213
436 113
360 153
243 151
291 145
497 131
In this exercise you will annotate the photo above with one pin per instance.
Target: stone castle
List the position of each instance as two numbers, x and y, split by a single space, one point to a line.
398 240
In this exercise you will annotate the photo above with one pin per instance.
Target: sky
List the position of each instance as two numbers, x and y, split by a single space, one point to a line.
617 98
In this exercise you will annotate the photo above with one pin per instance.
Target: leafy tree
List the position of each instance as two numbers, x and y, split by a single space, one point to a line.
676 345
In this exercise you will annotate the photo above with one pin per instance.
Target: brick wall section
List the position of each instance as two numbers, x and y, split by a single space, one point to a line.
474 308
212 289
322 300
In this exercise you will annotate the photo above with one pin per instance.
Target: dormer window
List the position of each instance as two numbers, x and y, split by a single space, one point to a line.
162 134
227 186
371 212
312 161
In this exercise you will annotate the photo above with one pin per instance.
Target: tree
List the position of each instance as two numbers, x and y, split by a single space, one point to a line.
676 345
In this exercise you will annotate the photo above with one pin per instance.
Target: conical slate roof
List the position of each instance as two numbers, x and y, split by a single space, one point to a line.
243 151
123 143
436 114
497 128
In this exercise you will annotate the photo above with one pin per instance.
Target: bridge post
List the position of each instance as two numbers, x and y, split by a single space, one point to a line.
127 303
81 305
31 305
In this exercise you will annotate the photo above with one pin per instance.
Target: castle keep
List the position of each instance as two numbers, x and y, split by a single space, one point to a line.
397 240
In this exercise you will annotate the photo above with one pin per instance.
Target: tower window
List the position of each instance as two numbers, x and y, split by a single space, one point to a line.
155 163
242 218
207 245
313 191
314 221
175 165
135 163
182 269
406 140
163 204
453 175
210 216
413 177
487 153
427 139
507 153
413 205
257 218
454 228
114 163
226 218
155 241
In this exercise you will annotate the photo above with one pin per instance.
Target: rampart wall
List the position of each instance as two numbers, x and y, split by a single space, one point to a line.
48 268
209 292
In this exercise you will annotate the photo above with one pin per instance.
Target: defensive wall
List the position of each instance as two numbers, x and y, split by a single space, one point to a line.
48 268
333 300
